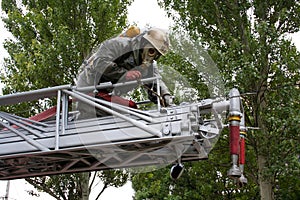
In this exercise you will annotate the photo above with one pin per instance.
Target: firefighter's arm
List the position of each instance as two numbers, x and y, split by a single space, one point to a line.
105 65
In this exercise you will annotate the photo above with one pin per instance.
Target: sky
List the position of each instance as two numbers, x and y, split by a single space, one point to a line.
143 13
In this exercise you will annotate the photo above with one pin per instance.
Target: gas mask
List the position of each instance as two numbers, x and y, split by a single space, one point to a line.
149 55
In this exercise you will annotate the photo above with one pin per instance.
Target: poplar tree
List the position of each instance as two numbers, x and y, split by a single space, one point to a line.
50 41
249 41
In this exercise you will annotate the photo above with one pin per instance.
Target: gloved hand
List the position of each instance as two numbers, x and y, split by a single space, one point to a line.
133 75
168 100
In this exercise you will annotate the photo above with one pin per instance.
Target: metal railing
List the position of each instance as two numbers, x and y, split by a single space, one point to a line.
63 93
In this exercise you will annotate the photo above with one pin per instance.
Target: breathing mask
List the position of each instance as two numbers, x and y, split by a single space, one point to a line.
149 55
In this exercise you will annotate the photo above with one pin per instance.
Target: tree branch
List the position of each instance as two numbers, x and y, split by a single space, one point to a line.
42 186
93 180
104 187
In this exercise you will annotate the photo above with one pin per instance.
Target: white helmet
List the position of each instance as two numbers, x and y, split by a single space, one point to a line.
159 39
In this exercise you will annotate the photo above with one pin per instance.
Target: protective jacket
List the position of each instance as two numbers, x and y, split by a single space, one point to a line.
112 60
110 63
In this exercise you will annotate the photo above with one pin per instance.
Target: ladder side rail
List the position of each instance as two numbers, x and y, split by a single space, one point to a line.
109 85
115 106
24 120
15 98
17 124
27 139
153 115
17 121
136 123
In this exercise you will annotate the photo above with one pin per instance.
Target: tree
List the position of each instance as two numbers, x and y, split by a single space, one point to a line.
247 40
69 186
51 39
200 180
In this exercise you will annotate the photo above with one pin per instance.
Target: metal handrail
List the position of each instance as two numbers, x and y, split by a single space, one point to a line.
62 94
19 97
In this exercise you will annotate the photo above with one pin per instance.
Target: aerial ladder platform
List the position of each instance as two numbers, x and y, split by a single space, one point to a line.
55 142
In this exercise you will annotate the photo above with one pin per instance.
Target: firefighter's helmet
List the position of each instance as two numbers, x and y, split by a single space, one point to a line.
159 39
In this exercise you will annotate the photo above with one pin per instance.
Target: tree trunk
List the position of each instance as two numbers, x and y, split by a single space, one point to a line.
265 185
85 177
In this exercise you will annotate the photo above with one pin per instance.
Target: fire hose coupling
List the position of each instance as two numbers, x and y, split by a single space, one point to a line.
243 133
234 118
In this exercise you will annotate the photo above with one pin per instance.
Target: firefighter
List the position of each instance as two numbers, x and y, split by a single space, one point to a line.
123 59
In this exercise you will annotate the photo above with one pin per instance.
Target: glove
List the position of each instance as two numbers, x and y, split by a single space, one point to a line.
168 100
133 75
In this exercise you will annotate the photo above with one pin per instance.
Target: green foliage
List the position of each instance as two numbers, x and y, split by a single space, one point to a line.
205 179
186 77
115 178
66 186
247 40
70 186
51 39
